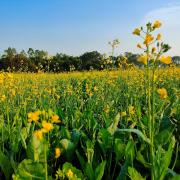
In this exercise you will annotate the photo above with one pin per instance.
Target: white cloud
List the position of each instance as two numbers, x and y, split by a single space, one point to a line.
170 17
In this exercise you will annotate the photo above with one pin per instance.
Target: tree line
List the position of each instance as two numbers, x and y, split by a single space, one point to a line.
40 60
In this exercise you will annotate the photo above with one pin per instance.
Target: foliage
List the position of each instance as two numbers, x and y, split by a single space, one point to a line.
119 124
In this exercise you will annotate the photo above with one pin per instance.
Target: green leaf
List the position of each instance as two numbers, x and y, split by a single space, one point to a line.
89 171
134 174
100 170
36 149
68 148
65 134
166 159
176 177
81 160
105 140
163 137
5 165
141 159
89 151
136 131
123 172
24 134
113 127
76 173
28 170
119 148
129 151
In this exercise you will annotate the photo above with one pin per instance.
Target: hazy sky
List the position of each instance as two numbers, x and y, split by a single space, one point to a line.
76 26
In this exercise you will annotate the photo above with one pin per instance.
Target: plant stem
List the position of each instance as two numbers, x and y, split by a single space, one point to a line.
45 160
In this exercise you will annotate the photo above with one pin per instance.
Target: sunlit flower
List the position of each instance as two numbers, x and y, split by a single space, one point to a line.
143 59
123 113
9 75
139 46
70 173
163 93
148 39
47 126
95 88
38 134
3 98
33 116
154 78
57 152
166 60
158 37
131 110
157 24
137 31
55 119
153 50
106 109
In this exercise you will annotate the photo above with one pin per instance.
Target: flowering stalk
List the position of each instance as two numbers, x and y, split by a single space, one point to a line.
150 61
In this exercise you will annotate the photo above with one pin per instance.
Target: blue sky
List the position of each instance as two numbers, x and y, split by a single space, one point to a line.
77 26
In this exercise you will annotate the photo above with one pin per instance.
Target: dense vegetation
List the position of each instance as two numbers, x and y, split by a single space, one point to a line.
39 60
109 124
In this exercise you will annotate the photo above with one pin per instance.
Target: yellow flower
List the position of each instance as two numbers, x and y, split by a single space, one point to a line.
148 39
90 94
166 60
139 46
153 49
95 88
47 126
3 98
57 152
163 93
123 113
154 78
33 116
1 80
38 134
55 119
157 24
137 31
70 173
143 59
158 37
9 75
106 109
13 92
131 110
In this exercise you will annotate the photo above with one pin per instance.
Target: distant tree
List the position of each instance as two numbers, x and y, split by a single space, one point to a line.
21 61
132 58
91 60
8 58
63 62
38 59
176 60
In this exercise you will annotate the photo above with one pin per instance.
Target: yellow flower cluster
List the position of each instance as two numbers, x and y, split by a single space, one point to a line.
163 93
148 39
137 31
143 59
46 126
57 152
157 24
70 174
166 59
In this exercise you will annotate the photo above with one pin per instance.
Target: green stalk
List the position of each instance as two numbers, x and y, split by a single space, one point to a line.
150 118
45 160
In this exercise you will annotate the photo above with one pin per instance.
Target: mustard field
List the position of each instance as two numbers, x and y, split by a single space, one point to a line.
87 125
